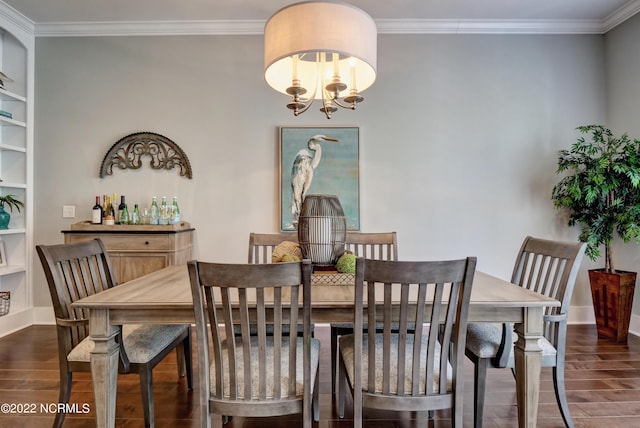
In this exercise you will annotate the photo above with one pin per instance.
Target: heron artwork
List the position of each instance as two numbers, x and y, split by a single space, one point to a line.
302 172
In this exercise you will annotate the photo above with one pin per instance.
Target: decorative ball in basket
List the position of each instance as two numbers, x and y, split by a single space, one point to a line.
322 229
5 302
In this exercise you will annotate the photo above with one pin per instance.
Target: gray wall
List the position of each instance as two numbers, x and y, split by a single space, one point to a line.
623 106
459 137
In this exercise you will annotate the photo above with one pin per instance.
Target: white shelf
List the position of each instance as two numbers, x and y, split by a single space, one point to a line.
10 96
15 231
7 121
8 270
13 185
12 148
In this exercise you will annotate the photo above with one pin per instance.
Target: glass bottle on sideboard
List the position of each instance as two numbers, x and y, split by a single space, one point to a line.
135 215
96 212
175 211
124 215
154 212
121 207
165 212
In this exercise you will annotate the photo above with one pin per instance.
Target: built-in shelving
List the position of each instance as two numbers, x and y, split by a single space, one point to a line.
16 165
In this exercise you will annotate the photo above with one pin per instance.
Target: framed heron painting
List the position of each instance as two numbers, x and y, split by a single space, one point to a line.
319 160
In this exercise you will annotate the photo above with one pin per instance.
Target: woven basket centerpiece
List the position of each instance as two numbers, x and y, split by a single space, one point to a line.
322 229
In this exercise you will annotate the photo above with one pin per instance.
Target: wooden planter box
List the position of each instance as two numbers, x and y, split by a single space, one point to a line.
612 301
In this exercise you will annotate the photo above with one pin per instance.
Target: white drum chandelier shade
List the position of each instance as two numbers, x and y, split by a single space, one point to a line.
320 50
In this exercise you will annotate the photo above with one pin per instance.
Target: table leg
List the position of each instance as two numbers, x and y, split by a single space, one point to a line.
104 367
528 356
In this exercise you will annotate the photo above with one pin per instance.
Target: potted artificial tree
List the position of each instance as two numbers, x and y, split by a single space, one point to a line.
11 202
602 193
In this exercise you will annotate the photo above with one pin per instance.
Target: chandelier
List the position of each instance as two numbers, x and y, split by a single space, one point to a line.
320 50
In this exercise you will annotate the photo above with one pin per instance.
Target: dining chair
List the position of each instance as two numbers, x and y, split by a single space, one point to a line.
81 269
369 245
546 267
262 245
405 371
262 248
259 375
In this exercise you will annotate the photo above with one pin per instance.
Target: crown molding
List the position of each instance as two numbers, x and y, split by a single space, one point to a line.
253 27
469 26
150 28
385 26
620 15
16 22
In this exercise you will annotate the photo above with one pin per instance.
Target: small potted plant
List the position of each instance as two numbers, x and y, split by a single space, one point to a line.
11 202
602 194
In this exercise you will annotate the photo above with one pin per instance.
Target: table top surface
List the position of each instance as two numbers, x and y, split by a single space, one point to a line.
169 288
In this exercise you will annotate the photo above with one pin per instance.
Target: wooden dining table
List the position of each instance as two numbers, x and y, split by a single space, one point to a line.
164 297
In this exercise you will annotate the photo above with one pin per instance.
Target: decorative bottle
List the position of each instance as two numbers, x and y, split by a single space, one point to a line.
176 211
135 215
164 211
96 212
124 215
110 217
121 207
114 204
155 212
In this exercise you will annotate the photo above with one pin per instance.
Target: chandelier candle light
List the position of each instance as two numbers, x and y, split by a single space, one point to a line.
320 50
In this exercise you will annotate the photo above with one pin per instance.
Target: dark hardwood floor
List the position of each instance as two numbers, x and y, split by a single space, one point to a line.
603 383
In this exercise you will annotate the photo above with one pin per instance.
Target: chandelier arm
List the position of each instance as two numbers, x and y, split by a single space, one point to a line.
326 112
347 106
311 99
306 106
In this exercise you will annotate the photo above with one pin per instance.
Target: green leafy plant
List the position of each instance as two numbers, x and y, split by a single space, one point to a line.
602 190
11 202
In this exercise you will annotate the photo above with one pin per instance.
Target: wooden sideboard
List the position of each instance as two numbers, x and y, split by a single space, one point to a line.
135 251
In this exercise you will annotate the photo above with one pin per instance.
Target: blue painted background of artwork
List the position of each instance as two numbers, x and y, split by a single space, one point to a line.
337 174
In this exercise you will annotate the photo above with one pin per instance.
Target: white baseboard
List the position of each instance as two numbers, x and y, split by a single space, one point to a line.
634 325
44 315
15 320
581 315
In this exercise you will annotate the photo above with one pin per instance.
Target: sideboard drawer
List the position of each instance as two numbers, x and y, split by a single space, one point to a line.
134 242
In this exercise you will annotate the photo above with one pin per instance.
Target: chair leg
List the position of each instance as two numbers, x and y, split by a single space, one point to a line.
63 396
316 396
146 387
342 387
334 356
180 357
480 385
561 394
188 359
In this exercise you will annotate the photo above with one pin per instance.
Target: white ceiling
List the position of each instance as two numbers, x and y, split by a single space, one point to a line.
391 15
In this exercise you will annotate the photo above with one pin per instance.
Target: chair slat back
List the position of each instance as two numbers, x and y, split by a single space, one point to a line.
244 295
412 294
74 271
261 245
549 268
376 245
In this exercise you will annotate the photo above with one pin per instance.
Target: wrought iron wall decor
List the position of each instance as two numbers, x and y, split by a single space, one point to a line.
128 153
